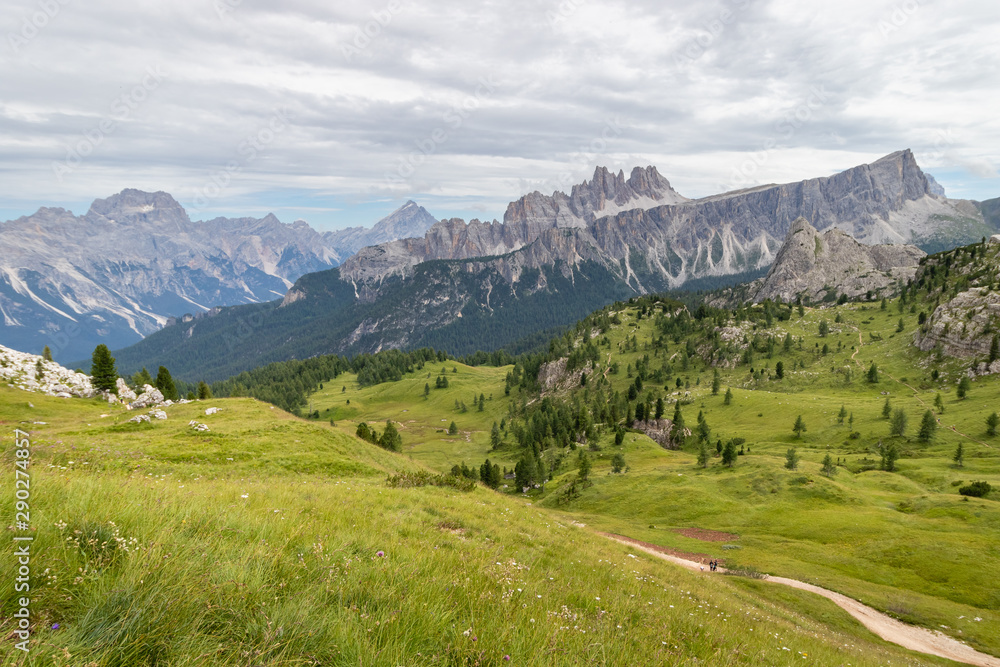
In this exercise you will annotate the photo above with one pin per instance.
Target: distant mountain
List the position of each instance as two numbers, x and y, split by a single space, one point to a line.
135 259
407 221
468 286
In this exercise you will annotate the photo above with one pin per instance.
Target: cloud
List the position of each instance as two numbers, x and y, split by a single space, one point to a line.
387 99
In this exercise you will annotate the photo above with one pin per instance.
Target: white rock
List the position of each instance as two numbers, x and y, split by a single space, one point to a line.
139 419
125 393
158 414
196 426
20 370
211 411
149 397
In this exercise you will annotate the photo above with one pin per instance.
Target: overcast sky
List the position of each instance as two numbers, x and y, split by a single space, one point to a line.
339 115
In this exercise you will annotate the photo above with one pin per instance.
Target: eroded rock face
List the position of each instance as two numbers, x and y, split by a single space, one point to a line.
811 264
960 326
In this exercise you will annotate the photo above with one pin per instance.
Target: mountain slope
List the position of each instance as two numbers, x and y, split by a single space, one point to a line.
135 259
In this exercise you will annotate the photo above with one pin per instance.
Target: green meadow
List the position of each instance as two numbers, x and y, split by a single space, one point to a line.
271 540
905 542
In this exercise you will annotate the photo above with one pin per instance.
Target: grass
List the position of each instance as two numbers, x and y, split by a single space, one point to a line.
153 547
905 542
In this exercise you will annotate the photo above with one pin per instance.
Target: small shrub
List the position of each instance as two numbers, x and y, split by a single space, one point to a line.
978 489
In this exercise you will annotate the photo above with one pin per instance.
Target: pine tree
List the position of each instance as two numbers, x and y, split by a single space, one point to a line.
103 374
659 408
799 427
842 414
824 328
729 454
204 391
938 403
728 398
791 459
873 373
142 378
889 455
850 421
828 468
482 402
991 424
391 439
618 462
716 383
583 474
963 387
165 384
495 437
897 425
779 370
703 455
619 436
927 427
427 390
886 409
959 457
47 353
994 348
704 432
453 429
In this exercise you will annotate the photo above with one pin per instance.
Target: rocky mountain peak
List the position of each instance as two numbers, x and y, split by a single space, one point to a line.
131 206
820 266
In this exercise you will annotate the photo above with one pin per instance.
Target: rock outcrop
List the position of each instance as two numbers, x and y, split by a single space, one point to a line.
963 326
32 373
815 265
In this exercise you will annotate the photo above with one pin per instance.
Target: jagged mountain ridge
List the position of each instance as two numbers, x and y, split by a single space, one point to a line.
120 271
817 266
887 201
525 220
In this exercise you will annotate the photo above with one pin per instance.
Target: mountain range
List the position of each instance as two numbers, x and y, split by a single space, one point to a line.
135 260
468 286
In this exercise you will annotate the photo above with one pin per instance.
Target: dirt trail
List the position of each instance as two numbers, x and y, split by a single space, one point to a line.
889 629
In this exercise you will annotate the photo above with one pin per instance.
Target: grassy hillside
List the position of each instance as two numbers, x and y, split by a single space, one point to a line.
904 541
272 540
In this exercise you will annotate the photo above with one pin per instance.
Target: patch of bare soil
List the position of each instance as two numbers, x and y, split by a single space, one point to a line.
706 535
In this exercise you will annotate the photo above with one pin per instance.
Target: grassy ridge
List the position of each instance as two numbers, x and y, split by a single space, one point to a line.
153 547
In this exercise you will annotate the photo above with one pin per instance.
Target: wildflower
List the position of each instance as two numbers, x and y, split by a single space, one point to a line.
245 495
380 554
506 658
55 626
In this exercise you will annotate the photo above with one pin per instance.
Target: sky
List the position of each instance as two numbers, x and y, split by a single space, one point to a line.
339 114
